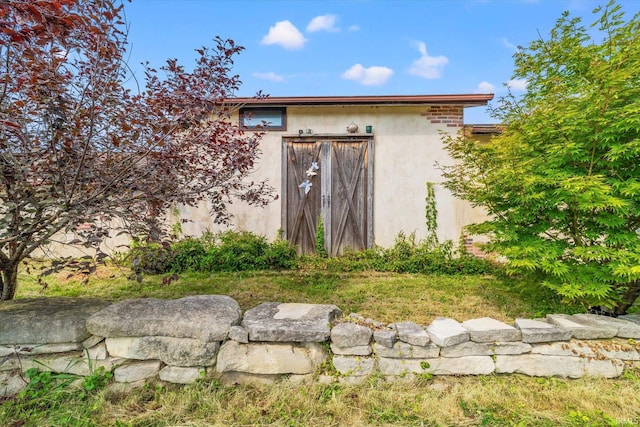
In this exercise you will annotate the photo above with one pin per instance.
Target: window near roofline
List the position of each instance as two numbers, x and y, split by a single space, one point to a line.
263 118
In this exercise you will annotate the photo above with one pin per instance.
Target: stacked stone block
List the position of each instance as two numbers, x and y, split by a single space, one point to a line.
177 340
276 340
484 346
47 335
182 340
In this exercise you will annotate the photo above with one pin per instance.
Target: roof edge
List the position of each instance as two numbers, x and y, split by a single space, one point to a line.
468 100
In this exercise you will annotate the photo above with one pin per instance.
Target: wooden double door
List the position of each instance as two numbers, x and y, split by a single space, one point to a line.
329 176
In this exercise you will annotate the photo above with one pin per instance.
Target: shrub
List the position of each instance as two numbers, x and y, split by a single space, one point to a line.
280 255
224 251
406 256
185 255
242 250
148 258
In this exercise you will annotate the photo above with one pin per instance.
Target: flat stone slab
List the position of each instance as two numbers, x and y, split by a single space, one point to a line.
599 350
26 349
270 359
131 372
46 320
290 322
538 365
354 366
185 352
348 334
447 332
581 331
201 317
487 329
625 328
181 375
471 348
411 333
360 350
402 350
534 331
73 363
634 317
385 337
11 383
469 365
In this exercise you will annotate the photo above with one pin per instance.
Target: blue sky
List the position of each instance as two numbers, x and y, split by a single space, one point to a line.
357 47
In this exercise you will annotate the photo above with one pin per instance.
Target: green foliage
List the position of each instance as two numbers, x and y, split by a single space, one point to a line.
224 251
280 255
53 398
431 214
40 383
243 251
320 246
235 251
147 258
185 255
98 379
562 182
407 256
329 392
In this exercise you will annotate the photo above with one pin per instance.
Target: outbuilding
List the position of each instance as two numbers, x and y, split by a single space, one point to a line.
361 163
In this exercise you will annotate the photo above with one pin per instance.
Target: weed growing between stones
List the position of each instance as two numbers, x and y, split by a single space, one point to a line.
56 399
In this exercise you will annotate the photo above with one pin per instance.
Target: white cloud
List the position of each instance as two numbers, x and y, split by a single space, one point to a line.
517 84
285 34
372 76
323 23
485 87
271 76
354 28
506 43
429 67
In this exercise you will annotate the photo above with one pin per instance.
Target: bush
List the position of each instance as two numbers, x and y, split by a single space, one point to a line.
280 255
148 258
241 251
185 255
406 256
224 251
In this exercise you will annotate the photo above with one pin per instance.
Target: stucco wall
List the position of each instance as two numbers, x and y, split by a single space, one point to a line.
407 144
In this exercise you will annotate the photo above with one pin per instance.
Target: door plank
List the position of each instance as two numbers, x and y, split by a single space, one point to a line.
350 211
301 226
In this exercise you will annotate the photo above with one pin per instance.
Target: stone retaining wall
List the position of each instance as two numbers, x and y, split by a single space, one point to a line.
183 340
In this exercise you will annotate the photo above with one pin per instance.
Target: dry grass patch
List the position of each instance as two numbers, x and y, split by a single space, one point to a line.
446 401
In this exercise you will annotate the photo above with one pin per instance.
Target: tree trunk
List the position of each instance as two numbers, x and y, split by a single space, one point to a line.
8 282
629 297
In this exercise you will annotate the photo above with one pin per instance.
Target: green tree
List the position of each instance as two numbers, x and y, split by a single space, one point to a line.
561 184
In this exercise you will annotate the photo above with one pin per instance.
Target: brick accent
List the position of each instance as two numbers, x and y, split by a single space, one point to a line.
451 115
472 248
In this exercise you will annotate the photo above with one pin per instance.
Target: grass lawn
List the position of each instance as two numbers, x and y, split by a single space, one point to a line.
387 297
493 400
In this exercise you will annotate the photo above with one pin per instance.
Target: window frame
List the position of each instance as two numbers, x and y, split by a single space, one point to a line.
255 111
